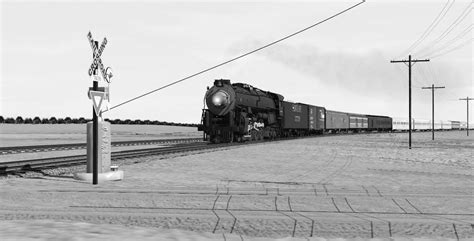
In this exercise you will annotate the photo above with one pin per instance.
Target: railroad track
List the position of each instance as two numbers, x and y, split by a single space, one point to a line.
53 162
183 145
73 146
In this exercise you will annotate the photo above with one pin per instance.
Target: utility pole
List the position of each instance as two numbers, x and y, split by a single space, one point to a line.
432 106
95 130
409 61
467 99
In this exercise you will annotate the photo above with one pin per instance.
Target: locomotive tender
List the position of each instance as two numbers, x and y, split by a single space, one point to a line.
238 112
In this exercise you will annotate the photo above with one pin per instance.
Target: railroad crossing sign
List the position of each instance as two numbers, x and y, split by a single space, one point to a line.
97 94
96 54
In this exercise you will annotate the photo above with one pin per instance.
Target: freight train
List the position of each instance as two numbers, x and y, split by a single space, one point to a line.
238 112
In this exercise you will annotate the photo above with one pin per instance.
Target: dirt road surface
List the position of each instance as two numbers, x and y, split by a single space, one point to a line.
353 186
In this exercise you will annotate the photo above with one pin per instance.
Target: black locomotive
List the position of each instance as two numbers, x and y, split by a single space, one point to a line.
238 112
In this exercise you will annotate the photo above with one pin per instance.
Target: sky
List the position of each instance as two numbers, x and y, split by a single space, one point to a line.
342 64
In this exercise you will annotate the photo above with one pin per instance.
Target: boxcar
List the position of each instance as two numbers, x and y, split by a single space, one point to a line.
336 121
357 121
295 116
379 122
316 121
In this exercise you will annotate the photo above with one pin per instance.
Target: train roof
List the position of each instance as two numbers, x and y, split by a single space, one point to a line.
380 116
357 114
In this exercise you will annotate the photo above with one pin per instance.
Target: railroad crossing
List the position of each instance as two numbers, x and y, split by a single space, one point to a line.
97 95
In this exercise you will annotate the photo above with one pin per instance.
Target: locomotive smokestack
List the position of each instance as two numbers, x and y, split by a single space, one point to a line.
221 82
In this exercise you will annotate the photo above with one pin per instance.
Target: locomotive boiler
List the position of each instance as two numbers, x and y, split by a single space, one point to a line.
237 112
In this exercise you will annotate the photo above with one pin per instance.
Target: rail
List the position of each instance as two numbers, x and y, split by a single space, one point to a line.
53 162
72 146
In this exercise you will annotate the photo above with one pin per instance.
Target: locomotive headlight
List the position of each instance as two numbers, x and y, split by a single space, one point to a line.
220 98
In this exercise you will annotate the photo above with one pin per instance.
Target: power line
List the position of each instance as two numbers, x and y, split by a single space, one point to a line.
433 74
450 28
430 27
453 49
426 77
455 23
403 73
450 42
238 57
422 77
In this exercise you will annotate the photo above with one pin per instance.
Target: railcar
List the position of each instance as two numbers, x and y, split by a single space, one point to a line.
317 119
438 125
336 121
358 122
401 124
295 118
379 123
422 125
302 119
455 125
446 125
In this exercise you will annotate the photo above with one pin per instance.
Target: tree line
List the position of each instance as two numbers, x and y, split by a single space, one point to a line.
82 120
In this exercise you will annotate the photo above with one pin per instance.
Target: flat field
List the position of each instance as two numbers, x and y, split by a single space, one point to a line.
344 186
45 134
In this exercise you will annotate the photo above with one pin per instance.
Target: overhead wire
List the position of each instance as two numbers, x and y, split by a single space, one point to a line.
447 91
449 43
422 76
468 41
403 73
238 57
450 28
430 28
401 70
433 74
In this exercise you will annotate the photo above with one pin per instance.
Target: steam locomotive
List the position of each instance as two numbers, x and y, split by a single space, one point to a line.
238 112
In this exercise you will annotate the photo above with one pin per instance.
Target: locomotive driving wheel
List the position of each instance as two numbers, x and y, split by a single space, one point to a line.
253 135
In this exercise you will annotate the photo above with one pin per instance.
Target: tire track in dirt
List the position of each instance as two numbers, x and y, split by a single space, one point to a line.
415 172
336 172
308 190
301 219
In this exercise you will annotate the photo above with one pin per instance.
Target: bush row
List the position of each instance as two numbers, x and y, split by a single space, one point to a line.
82 120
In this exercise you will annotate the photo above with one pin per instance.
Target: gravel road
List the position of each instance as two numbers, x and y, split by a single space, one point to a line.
358 186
